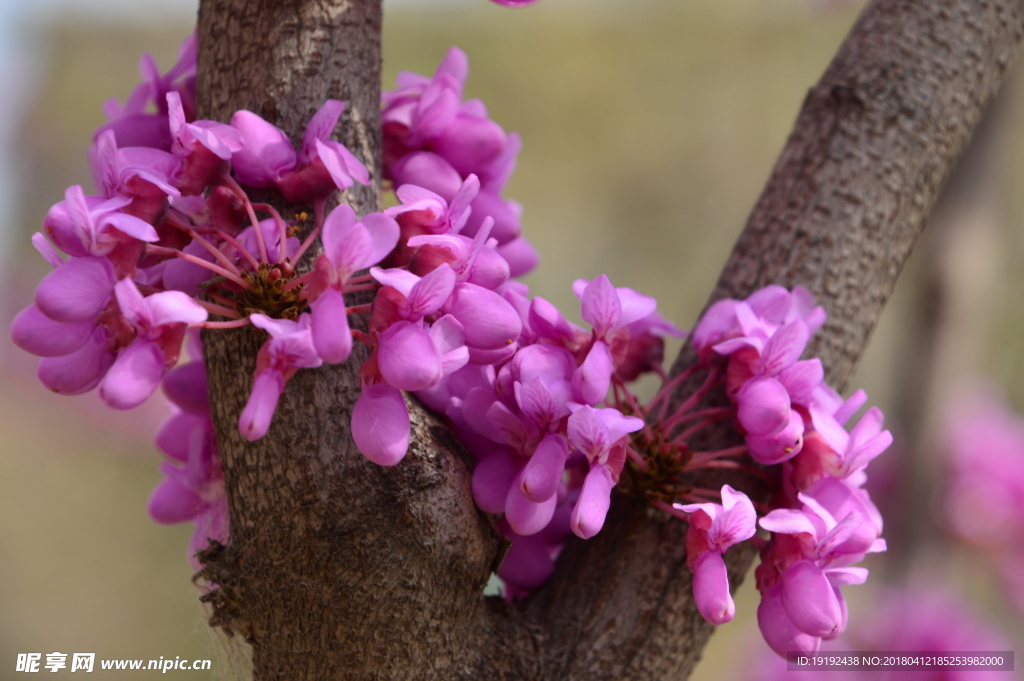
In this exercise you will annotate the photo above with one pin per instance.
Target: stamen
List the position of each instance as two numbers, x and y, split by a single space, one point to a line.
240 193
281 226
160 250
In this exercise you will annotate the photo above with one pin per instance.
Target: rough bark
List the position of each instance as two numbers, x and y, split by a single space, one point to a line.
337 568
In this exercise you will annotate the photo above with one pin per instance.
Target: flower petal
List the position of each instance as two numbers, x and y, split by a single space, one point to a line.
784 347
527 517
493 476
490 322
736 523
174 307
592 379
254 421
380 424
762 406
408 358
778 629
34 332
809 599
186 386
80 371
134 375
592 507
600 305
711 588
77 290
543 472
172 502
332 336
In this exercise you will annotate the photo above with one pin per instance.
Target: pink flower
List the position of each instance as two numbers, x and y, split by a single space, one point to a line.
89 225
349 246
714 528
289 348
599 435
380 424
204 148
159 321
267 158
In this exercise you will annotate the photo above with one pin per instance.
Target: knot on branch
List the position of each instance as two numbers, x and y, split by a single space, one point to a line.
222 580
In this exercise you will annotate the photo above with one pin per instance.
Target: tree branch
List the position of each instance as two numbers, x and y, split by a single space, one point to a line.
340 568
839 215
336 567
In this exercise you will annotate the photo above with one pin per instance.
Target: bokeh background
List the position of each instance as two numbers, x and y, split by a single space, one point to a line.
649 128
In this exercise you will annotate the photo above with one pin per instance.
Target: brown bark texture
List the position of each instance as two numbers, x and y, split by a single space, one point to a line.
339 568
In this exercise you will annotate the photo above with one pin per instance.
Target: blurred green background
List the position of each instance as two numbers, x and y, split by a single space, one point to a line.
649 129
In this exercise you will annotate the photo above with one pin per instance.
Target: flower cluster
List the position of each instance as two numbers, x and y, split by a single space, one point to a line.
823 520
542 404
436 141
548 452
172 238
984 498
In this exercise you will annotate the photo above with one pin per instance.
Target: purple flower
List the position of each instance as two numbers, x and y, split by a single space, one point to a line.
598 434
289 348
194 490
473 260
132 123
811 569
421 107
266 152
850 452
759 316
431 213
714 528
607 308
159 322
77 290
322 166
417 296
380 424
144 175
89 225
349 246
204 148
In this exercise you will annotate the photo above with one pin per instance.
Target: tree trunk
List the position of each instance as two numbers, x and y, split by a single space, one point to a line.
338 568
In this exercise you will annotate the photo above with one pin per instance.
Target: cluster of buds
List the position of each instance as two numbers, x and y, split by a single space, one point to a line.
821 519
174 239
983 501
